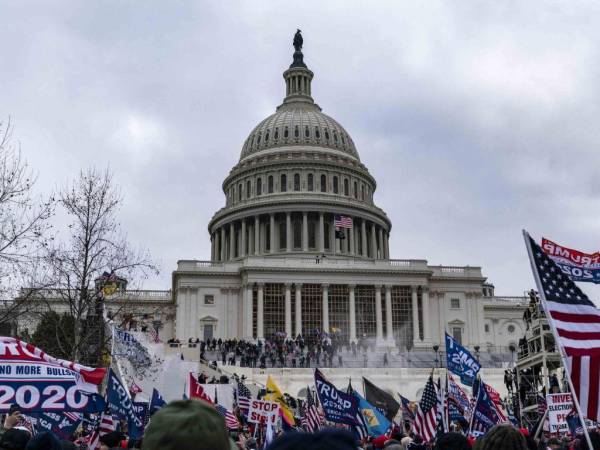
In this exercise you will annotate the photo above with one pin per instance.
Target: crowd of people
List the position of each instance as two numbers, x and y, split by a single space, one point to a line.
196 425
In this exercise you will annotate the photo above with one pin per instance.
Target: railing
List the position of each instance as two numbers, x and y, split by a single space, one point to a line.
511 300
456 271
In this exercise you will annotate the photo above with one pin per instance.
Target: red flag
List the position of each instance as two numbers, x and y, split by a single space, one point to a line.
197 391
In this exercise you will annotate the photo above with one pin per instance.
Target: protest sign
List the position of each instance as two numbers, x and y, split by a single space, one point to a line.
559 407
338 406
261 411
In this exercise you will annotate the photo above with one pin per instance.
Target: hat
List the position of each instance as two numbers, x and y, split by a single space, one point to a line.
14 439
44 441
111 439
187 425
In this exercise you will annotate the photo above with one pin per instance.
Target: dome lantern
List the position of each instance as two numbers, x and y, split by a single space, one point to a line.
298 77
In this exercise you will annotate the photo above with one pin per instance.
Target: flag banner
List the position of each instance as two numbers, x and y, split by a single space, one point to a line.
312 418
231 421
575 321
460 361
381 399
39 382
458 398
125 345
360 427
211 392
455 415
62 425
577 265
120 405
426 417
274 394
342 221
559 407
263 411
156 402
243 397
338 406
407 413
141 410
375 421
197 390
485 414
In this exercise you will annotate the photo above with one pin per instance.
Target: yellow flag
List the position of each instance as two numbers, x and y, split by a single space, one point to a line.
274 395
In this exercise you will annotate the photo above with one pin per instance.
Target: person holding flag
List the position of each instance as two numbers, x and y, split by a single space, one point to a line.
274 394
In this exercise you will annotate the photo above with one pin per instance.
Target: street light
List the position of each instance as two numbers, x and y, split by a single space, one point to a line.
436 349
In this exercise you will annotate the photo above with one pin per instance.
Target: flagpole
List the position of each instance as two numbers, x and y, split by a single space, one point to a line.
557 340
474 408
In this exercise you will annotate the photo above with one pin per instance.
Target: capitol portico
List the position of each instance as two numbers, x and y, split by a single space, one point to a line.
280 264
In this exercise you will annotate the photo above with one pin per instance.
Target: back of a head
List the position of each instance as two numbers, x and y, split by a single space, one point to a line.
14 439
44 441
452 441
186 425
503 437
323 440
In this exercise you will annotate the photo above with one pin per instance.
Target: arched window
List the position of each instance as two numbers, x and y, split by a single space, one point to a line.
326 134
270 184
323 183
286 132
240 192
336 188
267 137
283 183
343 141
346 187
355 190
297 225
362 194
296 131
296 181
258 139
248 188
310 182
258 186
306 132
317 133
276 135
335 136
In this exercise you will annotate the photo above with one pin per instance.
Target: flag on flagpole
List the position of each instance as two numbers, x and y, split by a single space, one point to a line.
407 413
231 421
243 397
311 419
340 221
575 321
485 414
426 417
274 394
135 389
196 390
360 428
107 424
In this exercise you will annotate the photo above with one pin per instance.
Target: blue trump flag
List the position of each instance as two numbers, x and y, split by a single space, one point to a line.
338 406
485 415
62 424
460 361
120 405
156 402
376 423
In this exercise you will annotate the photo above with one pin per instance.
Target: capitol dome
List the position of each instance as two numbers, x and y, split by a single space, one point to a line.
299 187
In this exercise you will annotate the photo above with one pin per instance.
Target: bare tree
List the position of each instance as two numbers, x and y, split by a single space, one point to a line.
94 251
24 228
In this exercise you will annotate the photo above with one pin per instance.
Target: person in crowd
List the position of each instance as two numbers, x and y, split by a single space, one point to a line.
452 441
503 437
322 440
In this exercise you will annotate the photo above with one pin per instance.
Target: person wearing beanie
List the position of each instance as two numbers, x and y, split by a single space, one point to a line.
187 425
44 441
323 440
14 439
110 440
503 437
452 441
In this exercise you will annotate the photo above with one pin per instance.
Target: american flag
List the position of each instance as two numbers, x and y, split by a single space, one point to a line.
243 397
542 405
134 388
311 420
407 413
231 420
106 425
576 321
495 397
458 397
426 417
154 336
342 221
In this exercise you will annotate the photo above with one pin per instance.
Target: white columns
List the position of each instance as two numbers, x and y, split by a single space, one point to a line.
388 314
352 312
231 240
305 231
351 239
380 244
387 245
243 239
415 316
332 239
288 232
260 332
298 309
223 246
321 233
363 236
272 233
378 314
256 235
325 288
373 242
426 315
212 247
248 312
288 309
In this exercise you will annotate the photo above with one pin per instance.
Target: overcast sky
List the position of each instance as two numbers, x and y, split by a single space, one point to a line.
477 119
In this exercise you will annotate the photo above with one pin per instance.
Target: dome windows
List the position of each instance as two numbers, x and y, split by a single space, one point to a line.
258 186
267 137
306 132
335 137
296 131
310 182
296 182
286 132
317 133
283 183
326 134
276 135
336 187
346 187
270 184
248 188
240 192
323 183
258 139
355 190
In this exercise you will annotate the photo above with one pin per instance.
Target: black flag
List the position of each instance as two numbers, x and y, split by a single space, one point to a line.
381 400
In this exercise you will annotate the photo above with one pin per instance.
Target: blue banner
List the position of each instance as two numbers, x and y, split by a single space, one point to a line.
376 423
585 274
141 410
485 415
156 402
62 425
120 405
460 361
338 406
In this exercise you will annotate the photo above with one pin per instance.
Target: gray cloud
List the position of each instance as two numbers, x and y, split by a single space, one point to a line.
477 119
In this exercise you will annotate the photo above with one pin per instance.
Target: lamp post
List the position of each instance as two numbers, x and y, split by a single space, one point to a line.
436 349
477 347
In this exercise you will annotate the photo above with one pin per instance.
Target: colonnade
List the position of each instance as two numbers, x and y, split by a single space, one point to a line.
276 233
421 318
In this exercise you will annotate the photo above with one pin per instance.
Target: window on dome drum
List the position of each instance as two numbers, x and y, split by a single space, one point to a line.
306 132
258 186
355 190
457 334
297 232
402 316
336 187
267 237
317 133
270 184
276 135
258 139
248 188
487 327
346 187
296 181
323 183
312 309
286 132
240 192
282 236
296 131
326 232
310 182
339 310
312 235
362 188
326 134
343 141
283 183
365 311
455 303
267 136
273 308
335 136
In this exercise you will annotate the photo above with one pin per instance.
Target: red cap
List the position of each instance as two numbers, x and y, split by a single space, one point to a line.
380 441
524 432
